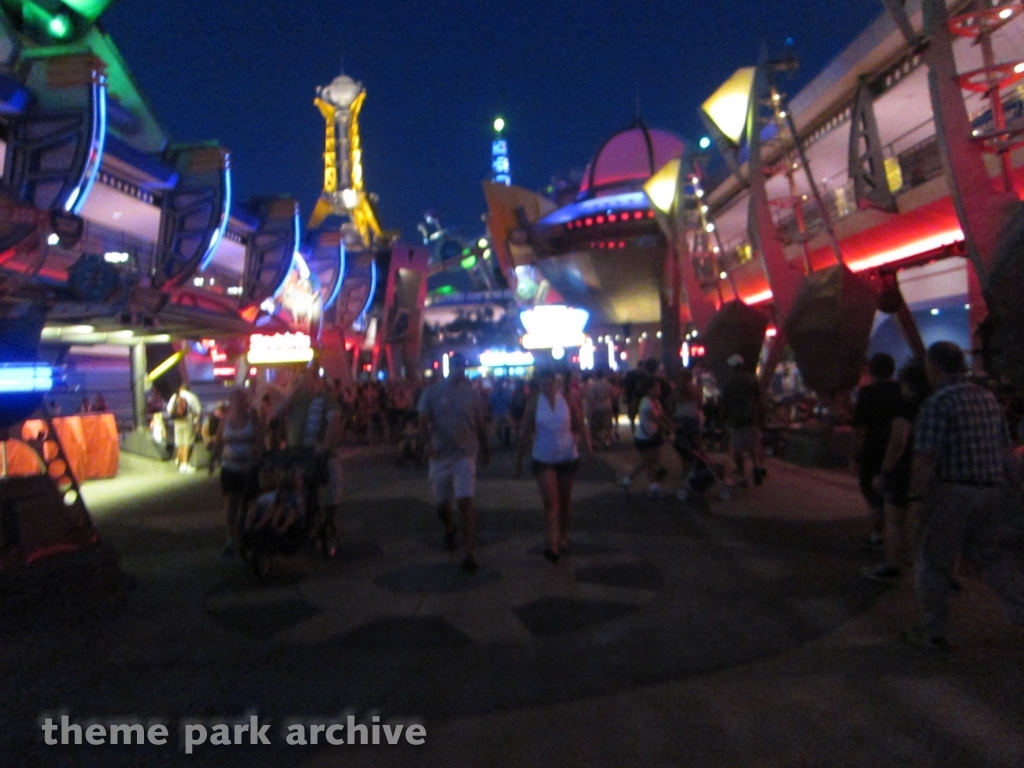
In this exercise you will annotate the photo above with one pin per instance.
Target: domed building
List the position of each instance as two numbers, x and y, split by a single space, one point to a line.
604 252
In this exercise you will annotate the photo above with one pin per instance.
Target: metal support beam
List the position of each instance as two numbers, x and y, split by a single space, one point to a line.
866 164
139 385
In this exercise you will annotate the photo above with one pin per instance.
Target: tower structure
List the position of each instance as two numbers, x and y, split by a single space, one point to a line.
501 170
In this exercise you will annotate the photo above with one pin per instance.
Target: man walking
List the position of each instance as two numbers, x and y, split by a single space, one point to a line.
184 410
453 426
961 447
742 414
878 403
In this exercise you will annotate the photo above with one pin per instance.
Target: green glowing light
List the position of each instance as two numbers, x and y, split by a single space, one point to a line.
59 26
469 262
499 124
445 290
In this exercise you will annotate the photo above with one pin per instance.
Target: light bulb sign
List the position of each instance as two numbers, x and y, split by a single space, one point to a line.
279 348
553 325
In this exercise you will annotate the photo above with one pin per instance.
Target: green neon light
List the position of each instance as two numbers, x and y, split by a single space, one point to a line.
90 9
59 26
445 290
469 262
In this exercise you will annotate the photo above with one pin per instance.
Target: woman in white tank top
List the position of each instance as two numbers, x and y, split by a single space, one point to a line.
553 428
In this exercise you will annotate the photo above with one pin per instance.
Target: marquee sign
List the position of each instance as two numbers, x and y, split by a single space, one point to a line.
279 348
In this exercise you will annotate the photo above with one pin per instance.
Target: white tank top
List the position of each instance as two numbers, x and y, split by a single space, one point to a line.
554 441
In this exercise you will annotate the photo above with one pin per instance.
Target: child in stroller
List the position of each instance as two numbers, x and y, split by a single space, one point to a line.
285 515
410 446
701 474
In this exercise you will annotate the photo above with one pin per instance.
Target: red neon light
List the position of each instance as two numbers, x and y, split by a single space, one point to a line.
600 219
612 218
638 214
588 221
650 214
225 370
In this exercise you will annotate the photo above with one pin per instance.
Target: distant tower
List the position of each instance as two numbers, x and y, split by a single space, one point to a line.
343 192
501 171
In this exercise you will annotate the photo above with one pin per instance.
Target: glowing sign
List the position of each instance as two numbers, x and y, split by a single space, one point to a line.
497 358
553 325
225 371
279 348
728 106
25 377
587 355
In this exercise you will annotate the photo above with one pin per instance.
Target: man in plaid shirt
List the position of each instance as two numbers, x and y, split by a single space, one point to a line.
961 447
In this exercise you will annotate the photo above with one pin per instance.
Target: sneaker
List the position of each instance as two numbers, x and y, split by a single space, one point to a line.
882 572
469 564
759 475
919 637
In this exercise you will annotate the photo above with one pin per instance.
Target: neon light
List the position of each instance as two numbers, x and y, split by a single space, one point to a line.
97 141
925 244
25 377
757 298
586 357
228 371
279 348
342 265
373 288
553 325
497 358
222 225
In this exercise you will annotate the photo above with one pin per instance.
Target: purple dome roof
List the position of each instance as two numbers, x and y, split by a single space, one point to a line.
628 159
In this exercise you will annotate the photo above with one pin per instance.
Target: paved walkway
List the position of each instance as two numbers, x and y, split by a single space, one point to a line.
723 633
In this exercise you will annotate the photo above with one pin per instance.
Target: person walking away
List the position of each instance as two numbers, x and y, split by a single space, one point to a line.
553 429
239 443
651 427
742 413
599 395
893 481
687 405
878 403
961 464
208 432
453 426
184 409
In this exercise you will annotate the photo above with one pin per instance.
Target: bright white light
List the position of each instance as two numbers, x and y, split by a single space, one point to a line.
499 124
771 332
622 356
81 329
709 227
268 349
1006 13
268 306
782 114
612 362
557 353
704 142
482 242
53 238
350 198
123 334
553 325
234 290
587 355
934 312
116 257
1018 68
703 209
723 275
199 282
699 192
967 306
445 365
659 334
499 358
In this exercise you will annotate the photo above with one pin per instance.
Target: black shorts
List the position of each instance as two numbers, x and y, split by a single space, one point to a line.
649 445
562 468
235 483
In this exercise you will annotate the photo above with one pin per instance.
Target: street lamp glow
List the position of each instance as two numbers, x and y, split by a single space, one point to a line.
661 187
499 124
727 107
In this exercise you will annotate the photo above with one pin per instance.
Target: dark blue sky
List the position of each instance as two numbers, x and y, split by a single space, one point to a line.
565 74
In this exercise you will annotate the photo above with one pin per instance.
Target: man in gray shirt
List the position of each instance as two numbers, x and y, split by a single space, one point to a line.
453 427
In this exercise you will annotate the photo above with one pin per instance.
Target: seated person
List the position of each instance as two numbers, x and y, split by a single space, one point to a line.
280 506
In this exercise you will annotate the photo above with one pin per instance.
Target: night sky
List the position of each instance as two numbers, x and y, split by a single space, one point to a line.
565 74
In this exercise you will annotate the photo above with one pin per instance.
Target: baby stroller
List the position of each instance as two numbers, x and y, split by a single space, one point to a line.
285 516
703 474
410 445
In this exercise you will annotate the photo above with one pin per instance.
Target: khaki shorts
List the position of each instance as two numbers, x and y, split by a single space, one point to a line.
453 478
184 432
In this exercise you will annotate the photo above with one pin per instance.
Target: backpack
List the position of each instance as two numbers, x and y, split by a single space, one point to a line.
180 408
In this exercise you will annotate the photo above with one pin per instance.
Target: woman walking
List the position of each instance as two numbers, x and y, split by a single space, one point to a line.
553 428
240 442
651 427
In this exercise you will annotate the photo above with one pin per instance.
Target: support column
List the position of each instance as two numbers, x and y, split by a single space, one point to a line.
671 334
139 371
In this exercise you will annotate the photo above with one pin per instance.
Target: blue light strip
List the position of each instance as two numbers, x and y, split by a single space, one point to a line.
25 377
373 289
97 141
295 253
222 226
342 264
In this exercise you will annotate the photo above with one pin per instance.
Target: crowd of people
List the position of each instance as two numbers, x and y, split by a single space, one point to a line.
932 450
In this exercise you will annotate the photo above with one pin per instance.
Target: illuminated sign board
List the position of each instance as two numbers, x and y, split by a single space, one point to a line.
25 377
496 358
553 325
279 348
